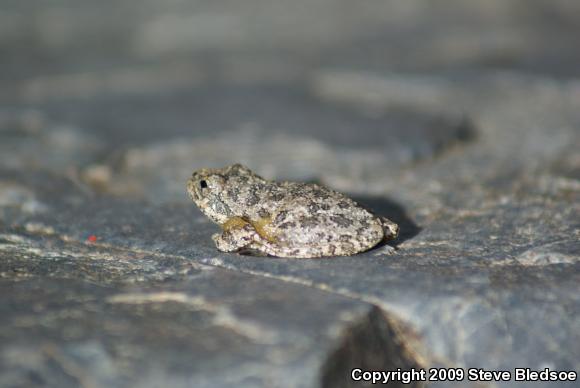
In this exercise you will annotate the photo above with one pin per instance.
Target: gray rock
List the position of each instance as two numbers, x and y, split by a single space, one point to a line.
95 316
459 122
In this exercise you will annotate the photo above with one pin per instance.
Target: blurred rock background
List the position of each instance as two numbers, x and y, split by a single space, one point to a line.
460 120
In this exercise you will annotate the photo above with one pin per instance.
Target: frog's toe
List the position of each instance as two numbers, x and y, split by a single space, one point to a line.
224 243
390 229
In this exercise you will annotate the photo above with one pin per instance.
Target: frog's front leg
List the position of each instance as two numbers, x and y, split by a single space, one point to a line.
237 234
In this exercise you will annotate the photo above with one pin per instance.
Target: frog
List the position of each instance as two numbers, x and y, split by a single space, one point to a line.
282 218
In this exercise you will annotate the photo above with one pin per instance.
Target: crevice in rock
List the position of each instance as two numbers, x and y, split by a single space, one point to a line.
376 343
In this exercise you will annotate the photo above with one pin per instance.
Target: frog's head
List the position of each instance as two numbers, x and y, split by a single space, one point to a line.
211 189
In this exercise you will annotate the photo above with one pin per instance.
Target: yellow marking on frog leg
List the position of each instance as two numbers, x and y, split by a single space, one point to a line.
234 223
264 228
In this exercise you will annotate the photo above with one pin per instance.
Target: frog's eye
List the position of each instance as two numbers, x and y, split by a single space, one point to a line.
203 184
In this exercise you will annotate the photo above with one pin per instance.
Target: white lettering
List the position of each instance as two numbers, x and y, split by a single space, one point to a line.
477 374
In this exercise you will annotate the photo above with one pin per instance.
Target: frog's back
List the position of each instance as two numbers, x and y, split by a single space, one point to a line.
315 221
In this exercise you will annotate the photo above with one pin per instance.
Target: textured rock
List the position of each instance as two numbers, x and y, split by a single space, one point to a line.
447 120
79 315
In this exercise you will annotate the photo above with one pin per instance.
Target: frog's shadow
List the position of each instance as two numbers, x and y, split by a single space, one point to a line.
394 212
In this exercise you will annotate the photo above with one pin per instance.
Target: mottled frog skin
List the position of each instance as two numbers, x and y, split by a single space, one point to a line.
284 219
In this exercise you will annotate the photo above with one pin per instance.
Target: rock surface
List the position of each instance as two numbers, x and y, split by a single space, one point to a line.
461 122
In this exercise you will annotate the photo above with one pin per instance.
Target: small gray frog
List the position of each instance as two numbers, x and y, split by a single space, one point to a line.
284 219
